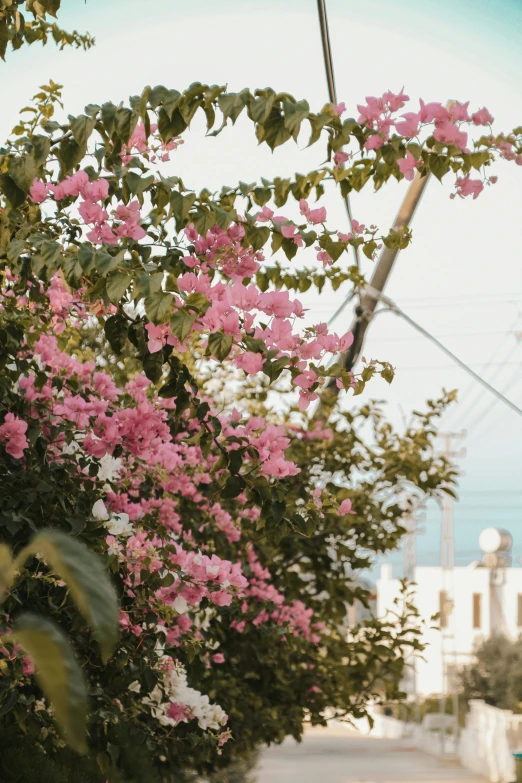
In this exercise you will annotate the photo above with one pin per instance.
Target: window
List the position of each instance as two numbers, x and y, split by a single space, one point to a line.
519 611
443 608
477 610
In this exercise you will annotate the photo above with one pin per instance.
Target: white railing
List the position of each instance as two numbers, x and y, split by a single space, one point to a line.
488 741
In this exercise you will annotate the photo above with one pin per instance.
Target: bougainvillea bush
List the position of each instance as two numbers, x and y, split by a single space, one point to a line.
143 330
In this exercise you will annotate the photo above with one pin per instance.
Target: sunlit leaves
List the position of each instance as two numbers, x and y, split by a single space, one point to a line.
57 673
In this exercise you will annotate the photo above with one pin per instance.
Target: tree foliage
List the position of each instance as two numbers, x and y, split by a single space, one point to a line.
143 336
496 674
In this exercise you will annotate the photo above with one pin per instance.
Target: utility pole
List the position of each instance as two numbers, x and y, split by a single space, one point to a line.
447 596
409 563
368 302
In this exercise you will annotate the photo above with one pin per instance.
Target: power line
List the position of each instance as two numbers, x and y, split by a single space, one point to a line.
370 291
413 367
515 378
446 334
491 492
330 79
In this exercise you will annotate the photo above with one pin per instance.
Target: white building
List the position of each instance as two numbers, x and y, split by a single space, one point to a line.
474 602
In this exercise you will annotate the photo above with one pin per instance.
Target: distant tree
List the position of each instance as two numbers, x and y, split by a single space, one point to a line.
496 675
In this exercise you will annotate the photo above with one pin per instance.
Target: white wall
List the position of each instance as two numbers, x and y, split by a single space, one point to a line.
499 614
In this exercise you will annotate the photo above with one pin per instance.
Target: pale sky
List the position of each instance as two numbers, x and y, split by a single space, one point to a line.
462 276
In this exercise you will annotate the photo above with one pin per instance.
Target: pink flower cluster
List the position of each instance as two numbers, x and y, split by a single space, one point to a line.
139 143
241 311
12 434
377 114
295 615
126 217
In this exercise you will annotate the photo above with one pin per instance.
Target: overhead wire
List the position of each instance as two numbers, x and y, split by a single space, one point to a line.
514 378
472 403
332 92
394 308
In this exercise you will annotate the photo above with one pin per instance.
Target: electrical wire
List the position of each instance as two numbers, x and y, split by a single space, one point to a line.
330 80
470 407
397 310
415 367
514 378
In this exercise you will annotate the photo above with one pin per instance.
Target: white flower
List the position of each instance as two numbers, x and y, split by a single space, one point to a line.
135 686
109 468
71 448
180 605
99 511
119 525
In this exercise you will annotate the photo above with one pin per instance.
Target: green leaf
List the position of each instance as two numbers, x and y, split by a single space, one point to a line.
14 195
295 113
153 366
108 111
105 263
58 674
41 148
86 257
22 171
181 323
14 250
439 165
116 331
170 101
234 487
231 104
204 220
181 206
219 345
117 284
6 569
158 307
256 237
86 579
168 127
125 120
261 107
273 132
70 153
81 128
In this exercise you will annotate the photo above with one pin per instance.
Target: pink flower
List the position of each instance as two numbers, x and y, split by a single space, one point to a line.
357 228
291 232
449 133
92 212
373 142
340 157
218 658
13 431
38 191
408 165
459 111
315 216
395 101
250 362
265 215
97 190
469 187
345 508
482 117
339 108
221 598
408 125
28 666
432 111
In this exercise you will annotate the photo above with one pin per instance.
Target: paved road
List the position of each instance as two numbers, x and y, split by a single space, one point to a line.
331 756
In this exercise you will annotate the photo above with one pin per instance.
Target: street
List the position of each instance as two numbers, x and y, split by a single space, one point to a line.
341 756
